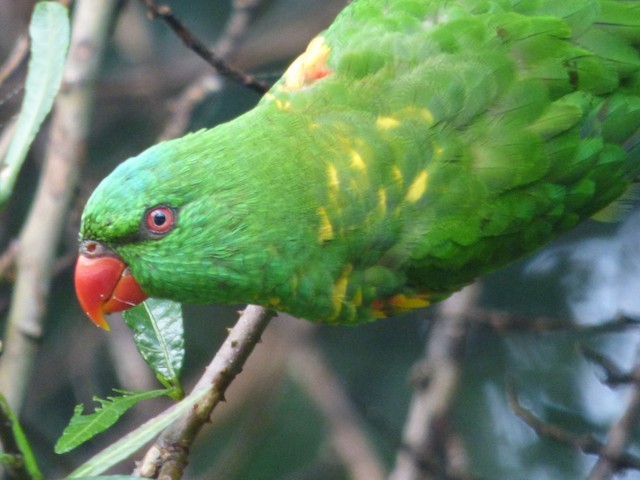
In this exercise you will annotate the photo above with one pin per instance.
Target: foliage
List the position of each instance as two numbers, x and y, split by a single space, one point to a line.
84 427
159 336
25 453
49 32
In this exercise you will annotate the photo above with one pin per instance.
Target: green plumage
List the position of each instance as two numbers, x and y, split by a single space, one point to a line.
413 147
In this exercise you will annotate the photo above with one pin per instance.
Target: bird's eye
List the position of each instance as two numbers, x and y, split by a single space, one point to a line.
160 219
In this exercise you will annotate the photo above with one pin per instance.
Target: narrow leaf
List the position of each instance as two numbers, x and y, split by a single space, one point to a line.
49 33
132 442
29 459
84 427
159 336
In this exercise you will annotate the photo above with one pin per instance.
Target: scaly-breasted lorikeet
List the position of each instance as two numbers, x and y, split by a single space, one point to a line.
414 146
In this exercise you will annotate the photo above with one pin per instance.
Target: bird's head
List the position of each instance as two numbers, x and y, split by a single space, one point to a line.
141 225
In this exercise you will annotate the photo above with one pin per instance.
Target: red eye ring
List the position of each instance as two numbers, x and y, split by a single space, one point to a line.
160 219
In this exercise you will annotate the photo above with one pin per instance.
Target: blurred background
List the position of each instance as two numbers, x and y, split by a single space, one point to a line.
319 402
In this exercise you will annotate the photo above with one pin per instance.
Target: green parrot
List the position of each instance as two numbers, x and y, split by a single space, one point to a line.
415 145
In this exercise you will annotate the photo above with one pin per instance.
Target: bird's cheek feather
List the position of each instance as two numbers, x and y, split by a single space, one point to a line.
105 285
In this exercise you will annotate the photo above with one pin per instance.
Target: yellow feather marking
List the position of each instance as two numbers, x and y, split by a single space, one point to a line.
426 115
340 290
356 301
326 229
382 200
417 187
386 123
332 173
282 105
438 150
397 175
308 67
402 302
357 161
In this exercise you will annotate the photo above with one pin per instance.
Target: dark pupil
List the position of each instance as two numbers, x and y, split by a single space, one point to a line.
159 218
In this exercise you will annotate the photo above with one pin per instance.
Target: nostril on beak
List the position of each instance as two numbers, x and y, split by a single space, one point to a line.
93 249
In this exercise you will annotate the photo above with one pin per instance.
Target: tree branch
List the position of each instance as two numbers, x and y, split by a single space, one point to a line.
618 437
614 376
16 60
194 43
182 107
585 443
168 456
40 235
503 321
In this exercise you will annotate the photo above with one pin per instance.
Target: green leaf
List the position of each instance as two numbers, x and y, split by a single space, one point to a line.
159 336
29 459
130 443
49 33
84 427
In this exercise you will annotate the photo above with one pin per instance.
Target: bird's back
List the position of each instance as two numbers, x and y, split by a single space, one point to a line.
414 146
463 135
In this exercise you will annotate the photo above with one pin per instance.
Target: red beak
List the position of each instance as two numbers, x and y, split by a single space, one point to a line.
104 284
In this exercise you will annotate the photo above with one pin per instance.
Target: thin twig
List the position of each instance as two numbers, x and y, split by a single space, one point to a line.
427 438
195 44
585 443
183 106
239 21
614 375
16 60
618 436
168 456
40 235
512 322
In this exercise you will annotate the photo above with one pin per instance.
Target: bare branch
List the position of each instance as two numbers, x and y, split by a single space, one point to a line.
40 235
195 44
618 437
585 443
512 322
613 374
183 106
168 456
426 446
16 60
